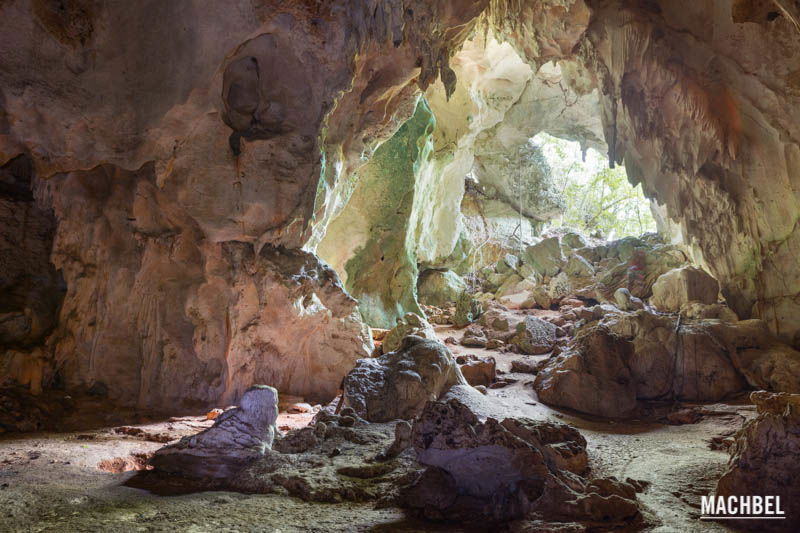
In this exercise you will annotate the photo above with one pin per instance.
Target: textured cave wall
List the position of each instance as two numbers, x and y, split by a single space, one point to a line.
371 240
162 315
701 101
177 143
31 290
180 146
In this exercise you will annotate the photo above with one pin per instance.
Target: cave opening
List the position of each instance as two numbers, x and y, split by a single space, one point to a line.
599 201
358 265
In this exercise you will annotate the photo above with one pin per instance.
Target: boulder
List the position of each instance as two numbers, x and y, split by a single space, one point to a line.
508 263
440 287
625 248
716 310
396 385
639 272
509 286
238 437
477 370
627 357
525 366
545 257
539 297
590 253
560 286
500 470
474 338
499 319
679 286
534 336
774 368
578 267
410 324
626 301
765 456
573 240
591 377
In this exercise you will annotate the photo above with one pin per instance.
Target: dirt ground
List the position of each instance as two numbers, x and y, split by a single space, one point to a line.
75 481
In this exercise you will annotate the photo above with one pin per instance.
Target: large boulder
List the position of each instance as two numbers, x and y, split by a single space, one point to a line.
679 286
591 377
573 240
500 470
560 286
534 336
626 301
539 297
627 357
396 385
578 267
765 460
774 368
238 437
410 324
440 287
545 257
643 266
477 370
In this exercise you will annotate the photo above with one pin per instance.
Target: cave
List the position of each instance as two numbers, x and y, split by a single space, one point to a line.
312 265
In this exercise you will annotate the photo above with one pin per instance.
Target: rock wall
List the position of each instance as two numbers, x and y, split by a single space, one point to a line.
31 290
159 315
188 151
371 241
177 141
700 101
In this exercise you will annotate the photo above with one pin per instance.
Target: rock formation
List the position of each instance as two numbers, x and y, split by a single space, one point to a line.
397 384
499 470
477 370
534 336
169 163
765 458
678 287
238 437
410 324
625 358
440 287
172 172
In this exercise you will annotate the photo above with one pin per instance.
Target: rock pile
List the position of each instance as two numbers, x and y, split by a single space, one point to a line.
559 267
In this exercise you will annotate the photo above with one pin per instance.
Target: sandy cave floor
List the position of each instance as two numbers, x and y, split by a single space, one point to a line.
54 481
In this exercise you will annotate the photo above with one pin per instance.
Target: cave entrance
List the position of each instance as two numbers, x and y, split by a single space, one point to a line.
598 201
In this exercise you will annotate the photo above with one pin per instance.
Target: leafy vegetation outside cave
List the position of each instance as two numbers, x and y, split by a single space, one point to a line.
598 200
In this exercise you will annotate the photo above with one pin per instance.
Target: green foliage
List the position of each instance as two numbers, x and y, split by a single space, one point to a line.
598 200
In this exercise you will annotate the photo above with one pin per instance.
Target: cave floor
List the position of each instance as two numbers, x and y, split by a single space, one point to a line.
55 482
